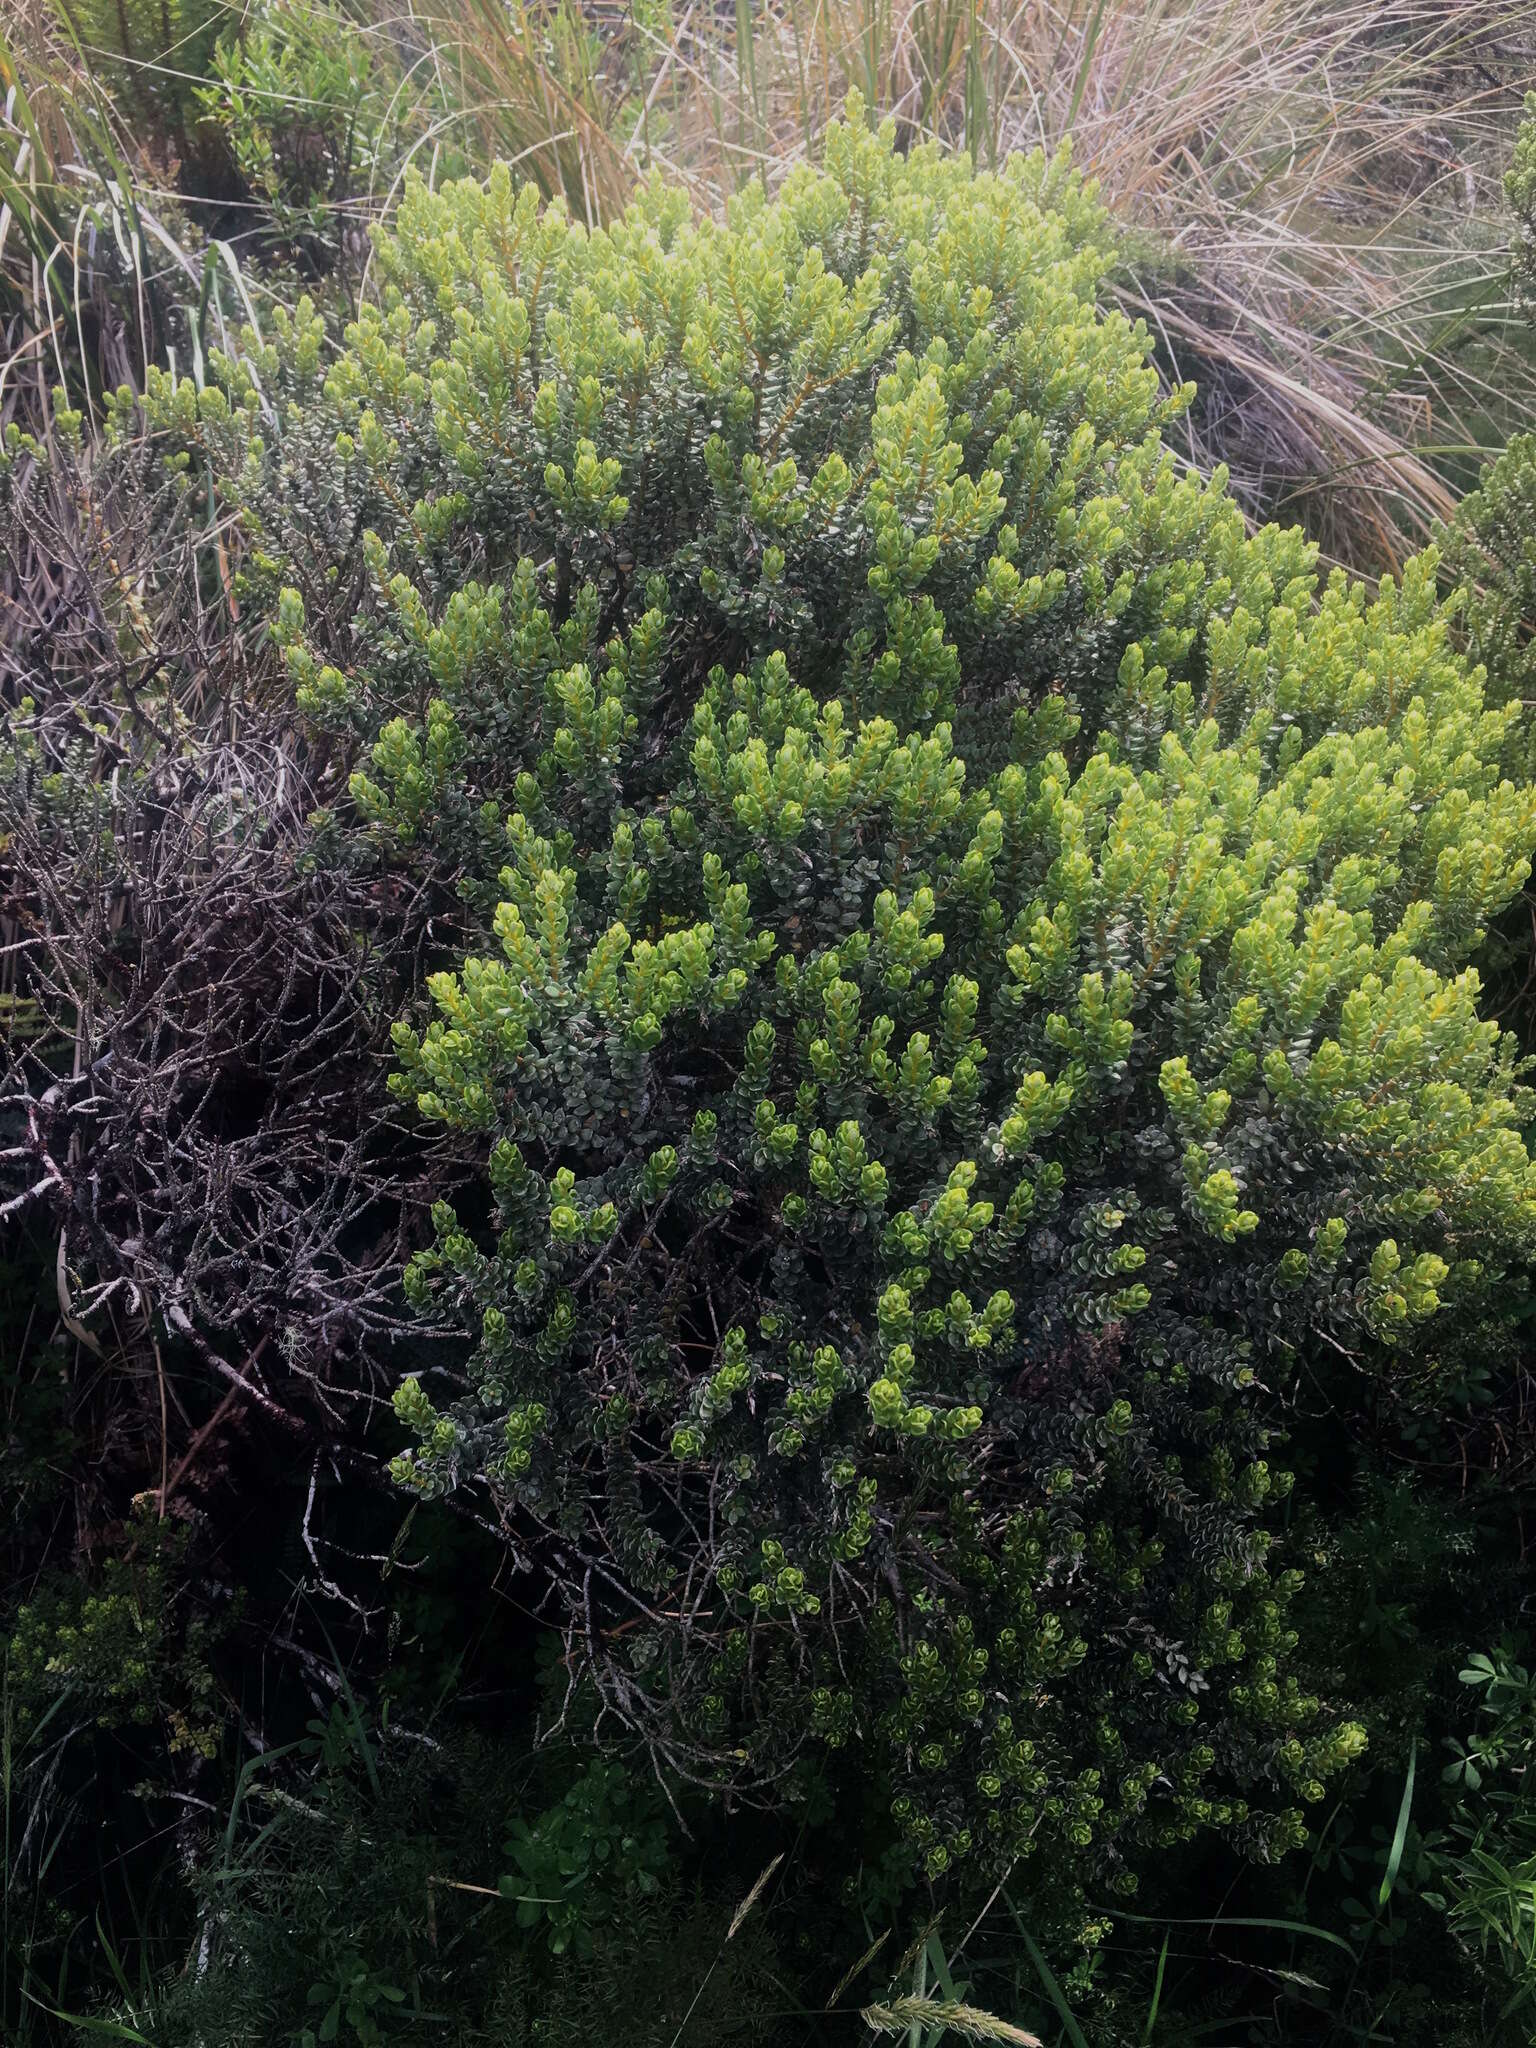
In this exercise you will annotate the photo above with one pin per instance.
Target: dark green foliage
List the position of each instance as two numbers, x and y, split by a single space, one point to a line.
38 1443
351 1901
1402 1580
586 1861
965 979
1491 1873
149 54
122 1648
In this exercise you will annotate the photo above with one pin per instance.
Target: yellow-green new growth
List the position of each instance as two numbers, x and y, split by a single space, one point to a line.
956 952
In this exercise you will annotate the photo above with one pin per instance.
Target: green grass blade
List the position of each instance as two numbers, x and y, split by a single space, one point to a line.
978 126
1157 1995
114 1961
74 2019
1047 1977
1400 1832
1085 65
1223 1920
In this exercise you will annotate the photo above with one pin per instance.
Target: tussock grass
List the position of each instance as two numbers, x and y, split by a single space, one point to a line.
1314 230
1312 191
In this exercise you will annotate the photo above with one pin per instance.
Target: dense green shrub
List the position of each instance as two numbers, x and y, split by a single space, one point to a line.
1492 549
122 1649
958 960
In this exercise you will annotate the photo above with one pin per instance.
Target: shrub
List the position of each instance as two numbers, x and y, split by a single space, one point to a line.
204 1020
125 1652
148 54
318 117
964 990
1493 550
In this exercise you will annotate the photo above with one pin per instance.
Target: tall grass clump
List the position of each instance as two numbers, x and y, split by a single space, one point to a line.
1317 186
1492 544
1307 197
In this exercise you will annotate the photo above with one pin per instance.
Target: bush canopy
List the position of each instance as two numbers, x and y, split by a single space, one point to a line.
953 953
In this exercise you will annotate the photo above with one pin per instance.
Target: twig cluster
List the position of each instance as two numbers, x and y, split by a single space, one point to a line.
193 1095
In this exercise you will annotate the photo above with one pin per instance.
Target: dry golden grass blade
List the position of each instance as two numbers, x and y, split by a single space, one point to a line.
1323 180
753 1896
1345 437
859 1967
